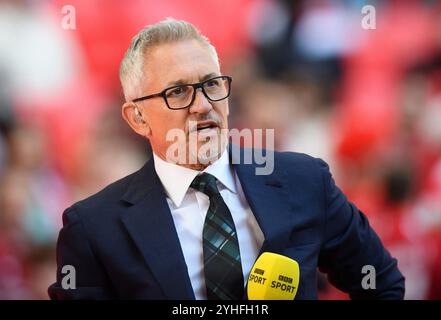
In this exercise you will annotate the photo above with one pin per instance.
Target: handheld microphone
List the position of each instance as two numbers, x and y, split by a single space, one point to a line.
273 277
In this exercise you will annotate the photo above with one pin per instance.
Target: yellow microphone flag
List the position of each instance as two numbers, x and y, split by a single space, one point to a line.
273 277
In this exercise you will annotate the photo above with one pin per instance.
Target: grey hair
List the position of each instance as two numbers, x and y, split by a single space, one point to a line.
165 31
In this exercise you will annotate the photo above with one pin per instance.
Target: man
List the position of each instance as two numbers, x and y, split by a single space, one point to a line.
191 223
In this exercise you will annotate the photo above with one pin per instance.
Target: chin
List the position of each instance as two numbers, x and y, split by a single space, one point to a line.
210 152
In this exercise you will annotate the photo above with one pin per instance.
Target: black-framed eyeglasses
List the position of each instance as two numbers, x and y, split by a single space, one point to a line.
182 96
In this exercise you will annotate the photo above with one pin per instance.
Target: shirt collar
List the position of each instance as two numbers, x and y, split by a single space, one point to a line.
170 173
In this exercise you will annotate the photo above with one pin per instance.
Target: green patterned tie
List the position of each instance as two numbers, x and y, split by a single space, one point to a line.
222 266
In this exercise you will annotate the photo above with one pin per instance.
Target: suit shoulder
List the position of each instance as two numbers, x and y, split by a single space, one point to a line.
299 161
293 156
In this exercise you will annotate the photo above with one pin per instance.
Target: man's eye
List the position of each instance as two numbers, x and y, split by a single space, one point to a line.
176 92
213 83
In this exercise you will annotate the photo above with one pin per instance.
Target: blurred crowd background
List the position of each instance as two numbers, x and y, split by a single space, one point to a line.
366 101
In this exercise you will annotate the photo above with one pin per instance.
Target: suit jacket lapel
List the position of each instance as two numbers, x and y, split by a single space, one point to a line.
150 224
268 197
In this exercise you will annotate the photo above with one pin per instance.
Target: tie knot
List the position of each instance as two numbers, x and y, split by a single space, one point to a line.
205 183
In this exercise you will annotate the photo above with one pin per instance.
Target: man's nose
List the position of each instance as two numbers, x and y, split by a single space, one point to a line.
200 104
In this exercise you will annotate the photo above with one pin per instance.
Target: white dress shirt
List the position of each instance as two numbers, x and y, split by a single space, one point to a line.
189 207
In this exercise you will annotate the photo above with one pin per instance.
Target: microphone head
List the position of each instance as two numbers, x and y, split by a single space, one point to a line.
273 277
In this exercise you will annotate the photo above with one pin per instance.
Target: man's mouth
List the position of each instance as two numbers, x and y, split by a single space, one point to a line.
206 126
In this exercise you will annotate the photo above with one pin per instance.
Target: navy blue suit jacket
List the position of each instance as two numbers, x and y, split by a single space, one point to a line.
123 244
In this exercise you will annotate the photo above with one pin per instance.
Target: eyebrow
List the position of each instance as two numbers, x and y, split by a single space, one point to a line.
180 81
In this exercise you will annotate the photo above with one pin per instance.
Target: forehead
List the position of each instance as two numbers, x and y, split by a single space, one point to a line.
187 61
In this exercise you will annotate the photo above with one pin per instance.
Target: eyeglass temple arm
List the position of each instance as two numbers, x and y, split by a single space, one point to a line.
148 97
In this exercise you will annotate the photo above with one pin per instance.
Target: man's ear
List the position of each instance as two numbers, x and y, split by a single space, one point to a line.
133 116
